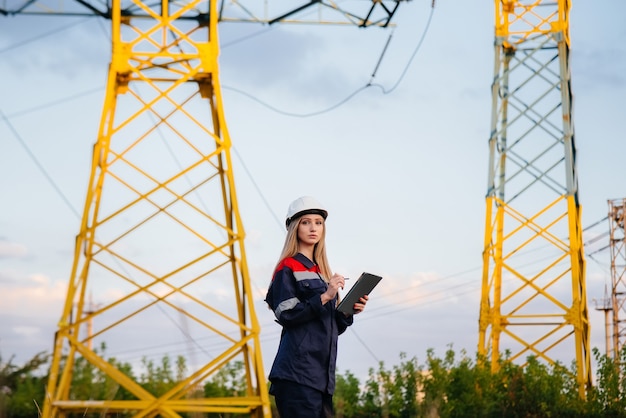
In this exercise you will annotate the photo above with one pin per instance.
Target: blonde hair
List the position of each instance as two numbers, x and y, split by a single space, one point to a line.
290 248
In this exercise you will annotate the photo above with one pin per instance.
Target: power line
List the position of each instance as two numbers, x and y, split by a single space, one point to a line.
53 103
296 115
246 37
39 165
417 48
43 35
357 91
258 189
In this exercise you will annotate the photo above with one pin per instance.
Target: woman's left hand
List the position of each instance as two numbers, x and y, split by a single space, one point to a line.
360 305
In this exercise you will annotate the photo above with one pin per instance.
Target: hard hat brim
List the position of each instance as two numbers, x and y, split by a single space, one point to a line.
321 212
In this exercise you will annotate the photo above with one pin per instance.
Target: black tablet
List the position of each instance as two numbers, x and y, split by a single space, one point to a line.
363 286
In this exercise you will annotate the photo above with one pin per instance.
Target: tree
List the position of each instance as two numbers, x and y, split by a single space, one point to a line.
404 388
346 399
608 397
447 387
21 389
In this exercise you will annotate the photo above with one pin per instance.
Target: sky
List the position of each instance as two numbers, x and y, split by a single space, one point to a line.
402 171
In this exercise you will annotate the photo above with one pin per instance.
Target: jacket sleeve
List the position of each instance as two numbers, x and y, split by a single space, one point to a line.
289 306
343 321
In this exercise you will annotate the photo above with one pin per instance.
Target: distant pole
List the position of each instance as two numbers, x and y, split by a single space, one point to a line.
607 307
617 246
89 318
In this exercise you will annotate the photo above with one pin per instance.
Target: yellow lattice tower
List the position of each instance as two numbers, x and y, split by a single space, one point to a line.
161 235
162 159
533 288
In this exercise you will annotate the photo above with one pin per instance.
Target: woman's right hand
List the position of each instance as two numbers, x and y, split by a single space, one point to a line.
336 282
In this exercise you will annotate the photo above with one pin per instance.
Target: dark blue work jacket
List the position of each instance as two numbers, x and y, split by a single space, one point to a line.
307 353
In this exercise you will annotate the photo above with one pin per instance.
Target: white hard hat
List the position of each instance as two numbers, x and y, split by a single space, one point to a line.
302 206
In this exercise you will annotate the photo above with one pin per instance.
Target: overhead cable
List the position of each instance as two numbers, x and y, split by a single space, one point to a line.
39 165
43 35
357 91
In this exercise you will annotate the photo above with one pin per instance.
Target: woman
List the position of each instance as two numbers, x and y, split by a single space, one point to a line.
303 295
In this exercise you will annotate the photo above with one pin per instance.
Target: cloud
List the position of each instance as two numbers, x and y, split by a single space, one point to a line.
26 331
83 41
294 63
29 308
12 250
34 295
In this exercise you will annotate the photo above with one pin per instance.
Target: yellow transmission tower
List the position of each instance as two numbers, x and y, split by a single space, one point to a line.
161 235
533 298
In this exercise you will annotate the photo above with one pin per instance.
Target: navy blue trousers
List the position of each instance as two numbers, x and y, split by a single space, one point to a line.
294 400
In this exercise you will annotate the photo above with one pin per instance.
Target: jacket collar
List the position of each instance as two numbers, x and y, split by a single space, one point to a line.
304 260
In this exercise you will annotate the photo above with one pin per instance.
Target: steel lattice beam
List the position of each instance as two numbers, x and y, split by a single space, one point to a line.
363 14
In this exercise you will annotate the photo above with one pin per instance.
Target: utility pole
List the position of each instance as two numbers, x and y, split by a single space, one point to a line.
617 245
606 306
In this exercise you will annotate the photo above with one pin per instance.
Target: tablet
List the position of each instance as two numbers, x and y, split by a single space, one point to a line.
363 286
